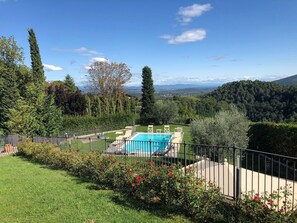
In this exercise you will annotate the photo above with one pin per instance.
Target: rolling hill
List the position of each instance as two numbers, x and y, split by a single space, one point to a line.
288 81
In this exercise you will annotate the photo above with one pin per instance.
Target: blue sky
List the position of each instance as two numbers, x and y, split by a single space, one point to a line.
182 41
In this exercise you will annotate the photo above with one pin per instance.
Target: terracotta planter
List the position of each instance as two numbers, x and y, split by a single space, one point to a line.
8 148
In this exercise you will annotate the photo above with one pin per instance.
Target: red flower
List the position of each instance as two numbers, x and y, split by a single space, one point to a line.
158 174
169 174
265 206
270 201
138 179
256 198
133 184
150 163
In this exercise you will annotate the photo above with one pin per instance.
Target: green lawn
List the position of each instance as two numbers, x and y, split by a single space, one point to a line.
33 193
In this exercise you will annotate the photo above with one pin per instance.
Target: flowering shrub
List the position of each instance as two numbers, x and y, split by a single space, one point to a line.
168 186
274 207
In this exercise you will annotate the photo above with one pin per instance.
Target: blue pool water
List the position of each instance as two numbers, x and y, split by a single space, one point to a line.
143 142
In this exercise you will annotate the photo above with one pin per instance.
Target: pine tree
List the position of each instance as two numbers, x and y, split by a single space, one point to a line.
70 85
37 67
148 99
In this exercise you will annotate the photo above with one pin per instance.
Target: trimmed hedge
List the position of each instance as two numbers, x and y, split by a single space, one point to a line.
80 124
273 138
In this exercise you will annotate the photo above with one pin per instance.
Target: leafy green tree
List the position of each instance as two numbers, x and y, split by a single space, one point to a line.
52 117
70 85
23 118
77 104
127 105
106 106
226 128
37 67
89 107
148 99
165 111
96 107
119 106
11 56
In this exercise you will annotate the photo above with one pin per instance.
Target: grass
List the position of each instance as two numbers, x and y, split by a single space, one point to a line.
33 193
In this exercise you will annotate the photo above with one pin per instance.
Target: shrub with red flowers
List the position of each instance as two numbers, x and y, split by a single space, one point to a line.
274 207
167 185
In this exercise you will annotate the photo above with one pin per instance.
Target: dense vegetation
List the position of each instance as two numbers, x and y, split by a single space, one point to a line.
81 124
274 138
262 101
25 106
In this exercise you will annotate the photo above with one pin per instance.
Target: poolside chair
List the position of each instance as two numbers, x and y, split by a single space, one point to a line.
166 128
150 129
159 131
128 134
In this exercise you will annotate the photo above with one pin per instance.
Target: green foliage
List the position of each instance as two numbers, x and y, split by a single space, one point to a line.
23 118
11 57
148 99
76 124
69 84
262 101
274 138
264 207
165 111
186 107
89 107
51 117
37 67
227 128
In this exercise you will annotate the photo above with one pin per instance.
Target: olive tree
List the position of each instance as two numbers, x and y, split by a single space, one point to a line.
165 111
226 128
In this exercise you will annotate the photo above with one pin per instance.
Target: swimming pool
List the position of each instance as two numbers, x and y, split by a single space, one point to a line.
148 142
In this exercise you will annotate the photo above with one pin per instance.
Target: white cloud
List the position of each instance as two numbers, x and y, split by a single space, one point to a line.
83 51
186 14
186 37
49 67
98 59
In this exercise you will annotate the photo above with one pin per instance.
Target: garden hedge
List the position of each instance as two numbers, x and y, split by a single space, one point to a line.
80 124
273 138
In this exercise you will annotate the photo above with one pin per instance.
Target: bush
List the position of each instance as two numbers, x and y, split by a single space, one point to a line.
274 138
154 184
77 124
227 128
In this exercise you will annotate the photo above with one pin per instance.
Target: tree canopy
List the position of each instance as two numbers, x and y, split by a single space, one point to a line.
107 79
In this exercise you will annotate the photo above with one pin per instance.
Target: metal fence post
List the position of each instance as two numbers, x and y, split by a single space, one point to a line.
151 150
185 157
234 172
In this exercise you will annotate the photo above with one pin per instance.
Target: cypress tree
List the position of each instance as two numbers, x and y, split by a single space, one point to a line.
148 99
37 67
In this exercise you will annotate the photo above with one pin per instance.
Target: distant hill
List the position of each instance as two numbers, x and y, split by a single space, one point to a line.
288 81
168 90
175 89
260 100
